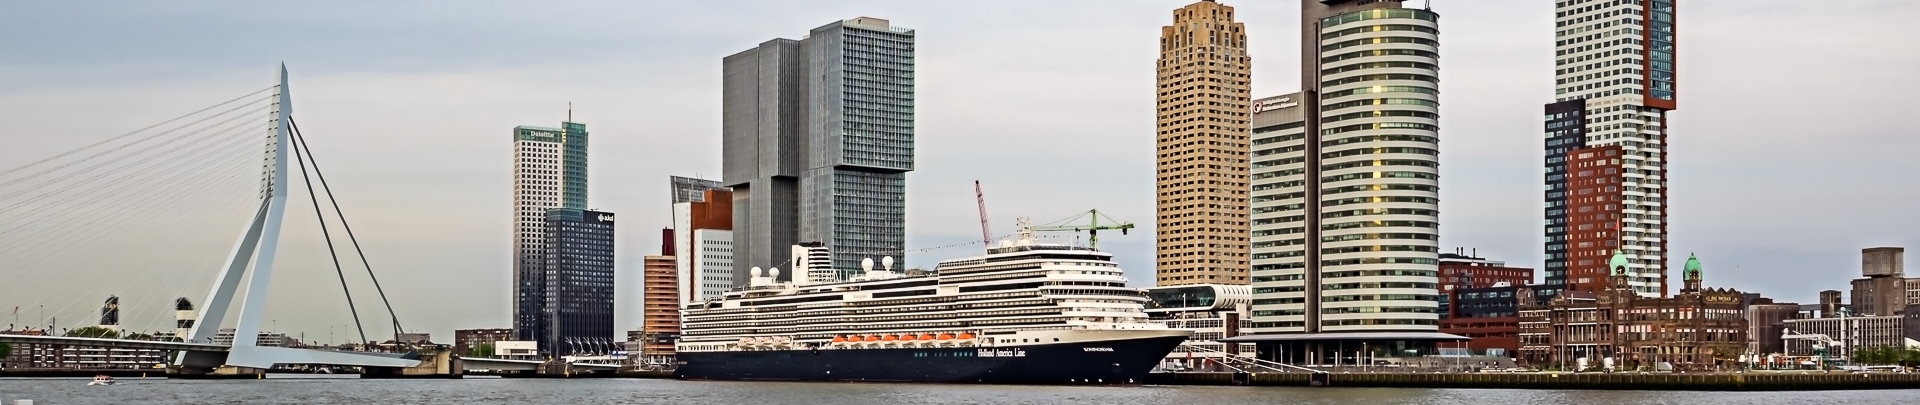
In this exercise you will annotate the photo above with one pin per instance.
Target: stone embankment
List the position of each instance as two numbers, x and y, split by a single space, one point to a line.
1558 381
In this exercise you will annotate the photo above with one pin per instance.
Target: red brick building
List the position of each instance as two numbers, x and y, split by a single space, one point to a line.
1480 303
1461 271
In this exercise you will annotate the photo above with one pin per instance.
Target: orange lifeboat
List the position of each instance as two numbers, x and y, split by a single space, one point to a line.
889 338
853 338
906 337
926 336
873 338
839 339
946 336
966 336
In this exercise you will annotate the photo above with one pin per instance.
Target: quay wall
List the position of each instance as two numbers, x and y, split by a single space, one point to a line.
1559 381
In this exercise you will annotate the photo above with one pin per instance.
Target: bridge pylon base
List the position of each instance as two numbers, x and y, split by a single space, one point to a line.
218 373
435 363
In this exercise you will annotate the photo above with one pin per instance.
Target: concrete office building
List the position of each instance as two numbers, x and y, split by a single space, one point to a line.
1606 143
1884 288
1853 332
702 241
1830 304
549 172
1345 180
1201 178
1766 320
818 138
686 191
578 312
712 270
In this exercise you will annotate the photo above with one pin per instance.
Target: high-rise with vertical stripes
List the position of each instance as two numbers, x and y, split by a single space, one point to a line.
1204 78
818 140
1606 143
1345 181
549 173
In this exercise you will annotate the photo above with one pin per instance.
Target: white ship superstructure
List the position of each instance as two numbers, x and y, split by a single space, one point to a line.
1021 299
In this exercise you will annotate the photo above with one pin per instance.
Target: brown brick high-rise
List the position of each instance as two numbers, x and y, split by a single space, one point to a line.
1202 149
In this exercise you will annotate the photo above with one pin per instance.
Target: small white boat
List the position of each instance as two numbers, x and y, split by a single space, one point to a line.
101 380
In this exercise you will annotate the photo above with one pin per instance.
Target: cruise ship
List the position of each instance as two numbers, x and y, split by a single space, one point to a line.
1025 313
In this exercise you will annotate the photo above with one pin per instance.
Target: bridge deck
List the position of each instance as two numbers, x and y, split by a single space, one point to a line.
112 343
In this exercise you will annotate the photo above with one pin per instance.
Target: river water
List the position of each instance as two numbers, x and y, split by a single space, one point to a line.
352 390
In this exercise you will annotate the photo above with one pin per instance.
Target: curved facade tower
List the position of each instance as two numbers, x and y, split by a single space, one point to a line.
1379 170
1345 193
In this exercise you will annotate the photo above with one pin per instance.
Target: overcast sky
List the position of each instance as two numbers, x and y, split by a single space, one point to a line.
1788 152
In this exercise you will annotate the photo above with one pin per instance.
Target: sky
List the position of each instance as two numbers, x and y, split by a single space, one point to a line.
1784 157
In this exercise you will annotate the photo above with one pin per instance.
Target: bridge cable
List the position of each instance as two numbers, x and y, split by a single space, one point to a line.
101 153
301 139
325 234
103 142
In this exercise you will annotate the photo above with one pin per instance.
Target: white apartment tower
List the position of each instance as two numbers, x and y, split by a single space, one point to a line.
1345 177
1606 142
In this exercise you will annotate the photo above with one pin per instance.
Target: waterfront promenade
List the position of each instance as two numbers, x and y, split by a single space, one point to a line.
1792 381
309 389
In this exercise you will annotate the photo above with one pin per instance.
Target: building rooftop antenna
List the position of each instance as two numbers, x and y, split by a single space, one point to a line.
569 111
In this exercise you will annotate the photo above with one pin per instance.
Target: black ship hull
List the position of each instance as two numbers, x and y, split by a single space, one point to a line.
1104 362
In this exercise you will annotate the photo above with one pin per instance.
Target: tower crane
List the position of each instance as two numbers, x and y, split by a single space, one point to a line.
986 237
1092 226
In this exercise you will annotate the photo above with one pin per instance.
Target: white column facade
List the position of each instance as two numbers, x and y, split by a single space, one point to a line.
1379 171
684 256
713 263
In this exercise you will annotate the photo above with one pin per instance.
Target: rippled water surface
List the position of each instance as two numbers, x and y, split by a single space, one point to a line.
349 390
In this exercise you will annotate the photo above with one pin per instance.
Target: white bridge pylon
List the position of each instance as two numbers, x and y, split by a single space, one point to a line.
252 260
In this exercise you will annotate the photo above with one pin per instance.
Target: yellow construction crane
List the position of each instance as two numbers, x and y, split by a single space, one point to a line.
1092 226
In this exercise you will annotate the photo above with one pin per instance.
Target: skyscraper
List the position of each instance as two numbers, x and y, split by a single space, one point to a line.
549 172
1345 183
818 137
1201 181
1606 142
578 312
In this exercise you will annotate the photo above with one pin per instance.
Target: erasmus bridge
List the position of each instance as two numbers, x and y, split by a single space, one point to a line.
141 215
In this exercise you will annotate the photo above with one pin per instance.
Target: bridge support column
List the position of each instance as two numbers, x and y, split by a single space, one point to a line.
434 363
